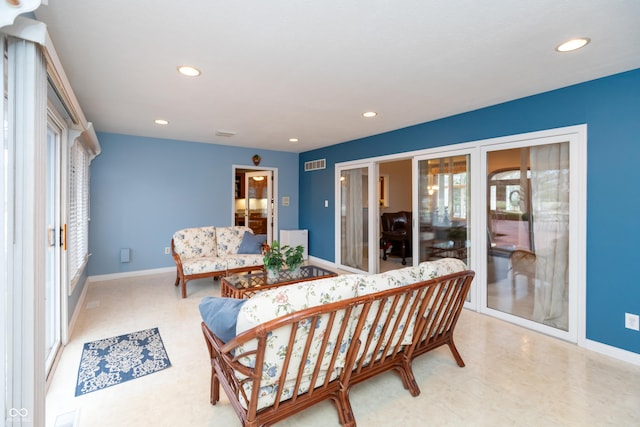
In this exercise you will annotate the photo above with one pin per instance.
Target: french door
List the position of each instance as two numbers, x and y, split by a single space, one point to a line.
259 203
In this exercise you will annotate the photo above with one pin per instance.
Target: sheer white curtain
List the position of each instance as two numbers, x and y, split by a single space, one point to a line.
353 233
550 205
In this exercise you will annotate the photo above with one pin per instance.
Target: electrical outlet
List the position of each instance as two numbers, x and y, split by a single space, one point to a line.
632 321
167 250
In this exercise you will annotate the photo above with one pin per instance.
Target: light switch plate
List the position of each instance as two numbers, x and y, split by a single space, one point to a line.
285 200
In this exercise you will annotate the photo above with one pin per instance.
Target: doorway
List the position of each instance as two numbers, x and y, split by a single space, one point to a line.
254 201
395 214
366 192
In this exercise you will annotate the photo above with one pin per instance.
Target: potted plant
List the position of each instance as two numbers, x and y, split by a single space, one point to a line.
274 260
294 259
458 235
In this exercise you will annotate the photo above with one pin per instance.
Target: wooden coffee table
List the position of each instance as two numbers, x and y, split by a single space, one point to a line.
245 285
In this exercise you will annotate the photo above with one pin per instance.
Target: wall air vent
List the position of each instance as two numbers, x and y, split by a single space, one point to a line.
225 133
315 165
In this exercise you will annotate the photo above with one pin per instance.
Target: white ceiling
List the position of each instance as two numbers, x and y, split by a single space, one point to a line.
272 70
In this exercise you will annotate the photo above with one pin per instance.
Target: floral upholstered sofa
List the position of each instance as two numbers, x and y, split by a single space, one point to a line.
215 251
300 344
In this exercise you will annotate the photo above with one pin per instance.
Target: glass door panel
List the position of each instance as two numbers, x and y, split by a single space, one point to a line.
259 202
528 233
53 241
443 207
354 218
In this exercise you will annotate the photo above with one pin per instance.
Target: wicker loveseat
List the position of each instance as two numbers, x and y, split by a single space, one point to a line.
304 343
214 251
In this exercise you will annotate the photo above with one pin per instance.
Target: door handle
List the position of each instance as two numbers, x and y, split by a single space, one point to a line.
63 237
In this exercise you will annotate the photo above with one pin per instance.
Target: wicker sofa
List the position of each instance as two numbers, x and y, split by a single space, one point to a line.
304 343
214 251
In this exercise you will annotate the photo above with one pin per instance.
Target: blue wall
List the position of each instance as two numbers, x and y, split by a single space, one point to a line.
610 107
144 189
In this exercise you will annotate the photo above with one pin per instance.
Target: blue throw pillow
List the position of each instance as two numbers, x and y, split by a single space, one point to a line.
220 315
252 243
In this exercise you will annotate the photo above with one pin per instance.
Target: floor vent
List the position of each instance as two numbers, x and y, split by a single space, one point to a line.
314 165
69 419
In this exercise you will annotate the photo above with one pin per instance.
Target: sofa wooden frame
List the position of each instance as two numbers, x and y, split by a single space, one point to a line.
436 303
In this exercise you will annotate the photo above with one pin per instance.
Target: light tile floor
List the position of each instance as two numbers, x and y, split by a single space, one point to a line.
513 377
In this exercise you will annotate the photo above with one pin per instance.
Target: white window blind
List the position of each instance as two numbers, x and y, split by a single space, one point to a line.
78 226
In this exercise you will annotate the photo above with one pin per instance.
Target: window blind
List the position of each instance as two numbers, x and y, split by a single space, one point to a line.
78 226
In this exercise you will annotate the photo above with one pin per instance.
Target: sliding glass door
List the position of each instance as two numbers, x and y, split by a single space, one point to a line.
444 208
443 205
532 218
53 244
512 208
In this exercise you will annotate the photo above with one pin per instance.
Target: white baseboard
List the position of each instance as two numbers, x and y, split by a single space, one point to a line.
124 275
137 273
615 352
76 311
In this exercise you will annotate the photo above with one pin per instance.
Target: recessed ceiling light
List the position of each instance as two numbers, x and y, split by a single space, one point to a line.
370 114
293 140
573 44
188 71
161 122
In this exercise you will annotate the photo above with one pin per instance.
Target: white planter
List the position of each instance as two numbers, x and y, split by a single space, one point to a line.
272 276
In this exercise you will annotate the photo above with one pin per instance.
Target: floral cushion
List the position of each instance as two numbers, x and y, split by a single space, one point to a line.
277 302
391 279
204 265
380 282
432 269
243 260
195 242
230 238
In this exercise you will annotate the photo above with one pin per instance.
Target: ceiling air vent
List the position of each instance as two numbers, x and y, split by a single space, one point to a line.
225 133
314 165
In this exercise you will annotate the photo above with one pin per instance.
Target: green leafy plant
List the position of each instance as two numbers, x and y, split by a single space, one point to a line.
294 256
274 258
